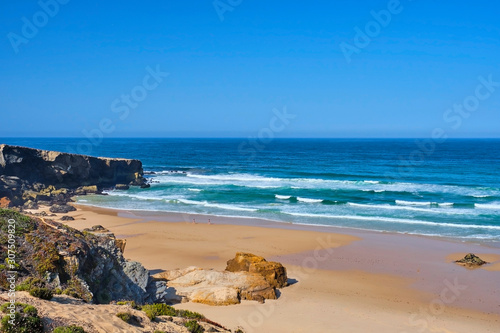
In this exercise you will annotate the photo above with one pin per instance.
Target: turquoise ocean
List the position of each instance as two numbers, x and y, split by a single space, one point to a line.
448 189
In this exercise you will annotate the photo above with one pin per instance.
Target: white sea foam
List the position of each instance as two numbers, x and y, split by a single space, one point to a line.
412 203
283 197
131 195
396 220
213 205
412 208
495 206
194 189
308 200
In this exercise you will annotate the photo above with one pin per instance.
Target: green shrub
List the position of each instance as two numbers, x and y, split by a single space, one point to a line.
47 257
31 283
25 319
69 329
27 309
158 309
31 311
194 327
129 303
23 224
43 293
58 291
76 290
125 316
189 314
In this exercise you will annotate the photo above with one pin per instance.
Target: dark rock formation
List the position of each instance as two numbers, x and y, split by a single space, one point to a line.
97 228
122 187
471 260
53 177
66 170
61 209
30 205
67 218
273 272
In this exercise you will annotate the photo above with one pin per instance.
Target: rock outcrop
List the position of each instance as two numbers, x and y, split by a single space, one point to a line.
273 272
43 176
86 265
215 287
471 260
66 170
247 277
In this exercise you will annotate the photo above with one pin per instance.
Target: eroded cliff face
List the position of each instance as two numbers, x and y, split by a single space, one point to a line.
66 170
28 174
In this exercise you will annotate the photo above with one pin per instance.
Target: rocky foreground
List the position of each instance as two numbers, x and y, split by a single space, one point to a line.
68 269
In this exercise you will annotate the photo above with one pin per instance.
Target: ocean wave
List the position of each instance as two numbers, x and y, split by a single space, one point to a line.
169 172
395 220
308 200
235 177
495 206
259 181
412 208
412 203
283 197
134 196
213 205
194 189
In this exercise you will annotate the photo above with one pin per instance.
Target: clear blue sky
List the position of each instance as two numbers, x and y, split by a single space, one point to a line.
226 76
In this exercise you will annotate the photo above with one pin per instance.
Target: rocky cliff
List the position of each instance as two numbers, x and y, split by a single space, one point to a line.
25 169
66 170
86 265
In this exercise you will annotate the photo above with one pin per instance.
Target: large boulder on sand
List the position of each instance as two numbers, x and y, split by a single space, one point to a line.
216 287
273 272
174 273
61 209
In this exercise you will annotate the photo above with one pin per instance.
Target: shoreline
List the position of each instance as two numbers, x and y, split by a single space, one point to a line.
344 275
174 217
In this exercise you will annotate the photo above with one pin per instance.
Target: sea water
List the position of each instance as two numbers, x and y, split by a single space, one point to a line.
449 189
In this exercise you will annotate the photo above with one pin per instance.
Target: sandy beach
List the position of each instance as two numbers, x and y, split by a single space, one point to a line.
341 280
